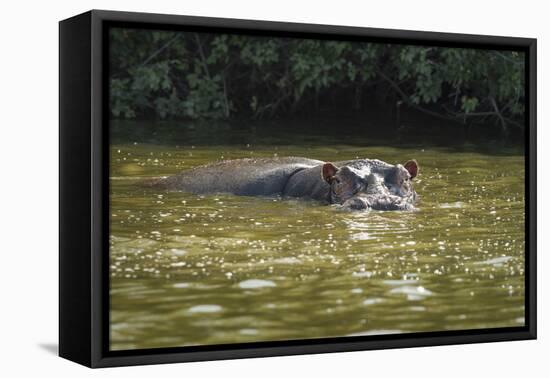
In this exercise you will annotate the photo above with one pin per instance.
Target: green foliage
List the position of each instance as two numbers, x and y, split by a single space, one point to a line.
416 64
316 65
205 76
469 104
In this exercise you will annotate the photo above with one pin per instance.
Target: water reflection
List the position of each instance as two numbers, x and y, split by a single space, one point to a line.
204 309
192 270
256 284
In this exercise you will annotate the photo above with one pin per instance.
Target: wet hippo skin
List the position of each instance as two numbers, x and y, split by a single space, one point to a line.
355 184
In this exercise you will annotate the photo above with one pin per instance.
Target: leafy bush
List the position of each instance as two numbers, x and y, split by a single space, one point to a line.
173 75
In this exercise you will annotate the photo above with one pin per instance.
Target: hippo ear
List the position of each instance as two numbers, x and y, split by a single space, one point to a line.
412 167
328 172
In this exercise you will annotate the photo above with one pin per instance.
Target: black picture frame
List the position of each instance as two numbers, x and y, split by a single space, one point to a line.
84 192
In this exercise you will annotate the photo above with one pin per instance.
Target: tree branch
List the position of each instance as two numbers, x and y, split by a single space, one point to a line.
497 112
408 101
203 58
161 49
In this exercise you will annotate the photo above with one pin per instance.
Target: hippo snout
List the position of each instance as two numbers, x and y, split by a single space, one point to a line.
356 203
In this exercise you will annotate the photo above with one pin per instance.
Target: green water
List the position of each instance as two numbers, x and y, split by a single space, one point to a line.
195 270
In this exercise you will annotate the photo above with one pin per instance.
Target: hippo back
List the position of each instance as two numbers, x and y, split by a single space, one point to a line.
248 177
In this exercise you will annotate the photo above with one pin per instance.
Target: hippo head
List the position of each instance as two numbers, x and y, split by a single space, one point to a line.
361 189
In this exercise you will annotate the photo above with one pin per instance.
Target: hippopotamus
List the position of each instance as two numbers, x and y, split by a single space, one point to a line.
359 184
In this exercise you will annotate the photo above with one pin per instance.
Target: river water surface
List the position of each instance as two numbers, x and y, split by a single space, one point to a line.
193 270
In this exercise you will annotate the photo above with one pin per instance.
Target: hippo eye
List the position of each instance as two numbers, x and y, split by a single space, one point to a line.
337 180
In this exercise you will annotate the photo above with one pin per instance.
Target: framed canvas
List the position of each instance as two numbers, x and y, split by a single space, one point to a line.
234 188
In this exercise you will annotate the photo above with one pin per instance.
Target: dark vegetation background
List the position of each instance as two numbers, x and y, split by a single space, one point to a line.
164 75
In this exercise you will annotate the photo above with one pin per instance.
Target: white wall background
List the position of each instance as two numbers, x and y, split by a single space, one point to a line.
28 186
